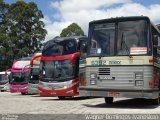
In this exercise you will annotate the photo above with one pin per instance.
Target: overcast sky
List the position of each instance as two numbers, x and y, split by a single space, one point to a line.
58 14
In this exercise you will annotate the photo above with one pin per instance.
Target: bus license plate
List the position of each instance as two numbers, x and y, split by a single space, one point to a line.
114 94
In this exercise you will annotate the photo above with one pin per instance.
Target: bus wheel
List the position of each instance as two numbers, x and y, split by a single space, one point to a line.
61 97
155 101
23 93
108 100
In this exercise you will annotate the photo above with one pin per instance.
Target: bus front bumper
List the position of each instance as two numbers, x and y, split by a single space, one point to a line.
33 89
4 87
72 91
19 88
104 92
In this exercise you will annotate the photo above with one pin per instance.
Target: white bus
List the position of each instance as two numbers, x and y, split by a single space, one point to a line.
123 59
4 81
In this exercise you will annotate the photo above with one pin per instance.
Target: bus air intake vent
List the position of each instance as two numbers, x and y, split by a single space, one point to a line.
104 71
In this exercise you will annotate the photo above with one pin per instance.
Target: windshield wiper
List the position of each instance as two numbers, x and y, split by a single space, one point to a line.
104 51
125 45
58 74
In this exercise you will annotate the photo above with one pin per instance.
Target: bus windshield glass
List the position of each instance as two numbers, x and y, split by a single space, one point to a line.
54 48
59 70
3 78
34 75
18 77
103 38
123 38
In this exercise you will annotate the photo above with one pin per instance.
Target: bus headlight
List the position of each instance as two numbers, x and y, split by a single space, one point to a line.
93 75
93 82
139 83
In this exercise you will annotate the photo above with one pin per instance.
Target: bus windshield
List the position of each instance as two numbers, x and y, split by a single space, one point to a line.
34 75
3 78
123 38
54 48
59 70
17 77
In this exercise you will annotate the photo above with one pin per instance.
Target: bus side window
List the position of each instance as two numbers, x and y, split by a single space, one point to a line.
156 43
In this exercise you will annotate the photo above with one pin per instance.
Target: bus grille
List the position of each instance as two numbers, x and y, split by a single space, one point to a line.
104 71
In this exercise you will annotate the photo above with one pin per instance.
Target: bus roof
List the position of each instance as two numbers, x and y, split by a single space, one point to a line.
24 58
59 39
120 19
67 38
126 18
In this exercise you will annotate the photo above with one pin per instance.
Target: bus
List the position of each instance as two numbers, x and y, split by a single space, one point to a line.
59 67
34 74
18 80
4 81
123 59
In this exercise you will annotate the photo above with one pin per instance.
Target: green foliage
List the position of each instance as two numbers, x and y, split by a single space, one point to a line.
3 11
25 27
21 31
3 35
72 30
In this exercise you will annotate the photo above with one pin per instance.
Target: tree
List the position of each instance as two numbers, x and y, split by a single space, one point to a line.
25 28
21 31
3 36
72 30
3 10
3 30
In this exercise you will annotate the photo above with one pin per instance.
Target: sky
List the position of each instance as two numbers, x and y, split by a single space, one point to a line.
58 14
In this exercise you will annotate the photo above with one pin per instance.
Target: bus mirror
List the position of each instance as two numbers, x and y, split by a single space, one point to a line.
155 39
155 46
40 77
22 74
83 48
10 77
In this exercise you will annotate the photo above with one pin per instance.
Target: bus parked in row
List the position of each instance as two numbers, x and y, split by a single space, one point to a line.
18 80
33 79
123 59
4 81
59 67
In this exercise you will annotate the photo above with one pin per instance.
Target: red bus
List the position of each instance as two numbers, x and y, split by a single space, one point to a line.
59 67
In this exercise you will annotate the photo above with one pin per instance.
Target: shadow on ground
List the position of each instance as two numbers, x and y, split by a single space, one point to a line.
128 103
67 99
35 95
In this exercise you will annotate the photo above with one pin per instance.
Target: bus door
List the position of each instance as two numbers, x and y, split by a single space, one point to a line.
82 70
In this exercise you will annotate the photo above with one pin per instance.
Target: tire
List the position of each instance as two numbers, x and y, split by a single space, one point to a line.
23 93
61 97
108 100
155 101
